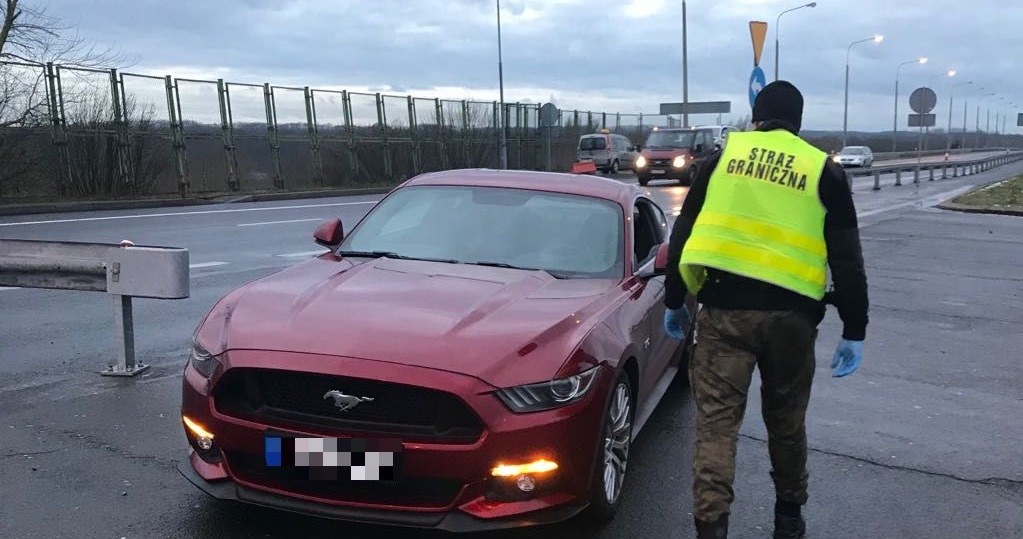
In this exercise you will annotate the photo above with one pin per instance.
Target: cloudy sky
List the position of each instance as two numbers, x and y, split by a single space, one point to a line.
614 55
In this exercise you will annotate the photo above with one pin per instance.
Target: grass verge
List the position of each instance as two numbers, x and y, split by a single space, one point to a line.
1004 196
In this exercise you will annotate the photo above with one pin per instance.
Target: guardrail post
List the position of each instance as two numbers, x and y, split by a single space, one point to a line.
877 180
955 171
944 171
124 334
898 178
916 175
930 171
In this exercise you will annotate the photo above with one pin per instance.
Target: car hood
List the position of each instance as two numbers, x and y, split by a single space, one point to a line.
666 154
502 326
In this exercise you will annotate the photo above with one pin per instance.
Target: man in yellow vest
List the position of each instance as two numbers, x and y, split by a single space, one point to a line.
763 222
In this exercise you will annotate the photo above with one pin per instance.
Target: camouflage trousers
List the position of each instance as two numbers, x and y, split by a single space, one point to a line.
729 345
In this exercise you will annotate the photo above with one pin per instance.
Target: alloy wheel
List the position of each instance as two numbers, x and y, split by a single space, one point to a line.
617 438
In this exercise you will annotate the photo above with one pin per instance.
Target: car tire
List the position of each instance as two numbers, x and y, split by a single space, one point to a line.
615 439
615 168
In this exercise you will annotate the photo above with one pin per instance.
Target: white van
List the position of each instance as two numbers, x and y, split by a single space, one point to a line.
720 133
609 152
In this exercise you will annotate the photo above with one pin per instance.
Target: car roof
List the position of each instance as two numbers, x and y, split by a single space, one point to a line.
553 182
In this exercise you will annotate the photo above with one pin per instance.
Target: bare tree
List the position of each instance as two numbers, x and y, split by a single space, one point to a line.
29 39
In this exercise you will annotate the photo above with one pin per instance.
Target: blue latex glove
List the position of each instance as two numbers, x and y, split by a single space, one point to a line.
676 322
847 358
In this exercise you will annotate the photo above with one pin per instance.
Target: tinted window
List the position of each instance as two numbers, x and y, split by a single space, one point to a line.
671 140
593 143
568 235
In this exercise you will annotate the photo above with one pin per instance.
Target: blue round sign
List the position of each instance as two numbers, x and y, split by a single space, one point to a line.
757 81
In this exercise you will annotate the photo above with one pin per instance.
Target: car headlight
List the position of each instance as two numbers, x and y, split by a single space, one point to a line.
679 161
548 395
640 162
202 360
836 159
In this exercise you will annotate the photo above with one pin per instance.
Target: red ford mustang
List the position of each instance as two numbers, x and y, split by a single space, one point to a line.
477 353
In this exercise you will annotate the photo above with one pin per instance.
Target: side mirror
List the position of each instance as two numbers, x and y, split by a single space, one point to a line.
330 233
661 260
660 263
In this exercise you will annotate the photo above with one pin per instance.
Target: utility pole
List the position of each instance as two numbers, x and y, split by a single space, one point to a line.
685 69
500 78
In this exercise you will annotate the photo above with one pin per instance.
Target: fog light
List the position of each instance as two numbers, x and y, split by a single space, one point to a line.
203 438
526 483
515 470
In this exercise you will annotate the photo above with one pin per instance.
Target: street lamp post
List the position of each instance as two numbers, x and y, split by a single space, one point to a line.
685 69
845 115
895 122
500 78
777 29
951 92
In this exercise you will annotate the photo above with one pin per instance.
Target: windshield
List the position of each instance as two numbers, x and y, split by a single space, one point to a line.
853 151
592 143
670 139
569 236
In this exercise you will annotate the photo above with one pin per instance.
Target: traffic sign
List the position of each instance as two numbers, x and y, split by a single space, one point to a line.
921 120
757 81
697 107
922 100
548 115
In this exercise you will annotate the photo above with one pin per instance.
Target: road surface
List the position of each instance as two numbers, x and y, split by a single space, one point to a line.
922 442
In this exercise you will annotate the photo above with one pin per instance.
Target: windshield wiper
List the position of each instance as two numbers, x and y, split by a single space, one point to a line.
552 273
396 256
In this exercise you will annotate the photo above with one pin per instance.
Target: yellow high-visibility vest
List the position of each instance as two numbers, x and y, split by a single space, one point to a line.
762 217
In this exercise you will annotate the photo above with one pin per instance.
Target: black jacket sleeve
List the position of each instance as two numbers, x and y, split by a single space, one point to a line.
674 287
845 255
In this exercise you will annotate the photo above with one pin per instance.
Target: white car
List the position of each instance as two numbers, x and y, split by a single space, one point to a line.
854 156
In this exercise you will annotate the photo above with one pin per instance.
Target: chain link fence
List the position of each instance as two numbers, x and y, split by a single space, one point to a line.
99 133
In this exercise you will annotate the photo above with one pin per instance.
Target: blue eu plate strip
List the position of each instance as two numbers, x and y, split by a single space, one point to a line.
273 451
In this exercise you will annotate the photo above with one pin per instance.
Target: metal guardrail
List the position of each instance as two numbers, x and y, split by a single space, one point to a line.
912 154
124 271
948 169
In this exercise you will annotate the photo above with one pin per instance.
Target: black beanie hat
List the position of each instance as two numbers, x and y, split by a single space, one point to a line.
779 101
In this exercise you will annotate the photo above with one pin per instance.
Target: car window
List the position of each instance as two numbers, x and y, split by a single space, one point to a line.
647 232
592 143
570 236
670 140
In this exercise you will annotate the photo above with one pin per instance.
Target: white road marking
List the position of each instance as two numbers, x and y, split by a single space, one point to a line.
280 222
206 265
303 254
929 201
2 288
180 213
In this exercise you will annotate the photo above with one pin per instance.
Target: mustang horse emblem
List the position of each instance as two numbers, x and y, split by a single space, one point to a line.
345 402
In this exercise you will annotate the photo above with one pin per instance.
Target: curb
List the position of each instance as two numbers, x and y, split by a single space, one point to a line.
98 205
952 206
990 210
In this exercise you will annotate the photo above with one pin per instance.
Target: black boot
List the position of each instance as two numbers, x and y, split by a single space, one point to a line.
788 521
712 530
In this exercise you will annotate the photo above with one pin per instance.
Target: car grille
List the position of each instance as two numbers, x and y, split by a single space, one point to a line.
660 162
410 491
410 412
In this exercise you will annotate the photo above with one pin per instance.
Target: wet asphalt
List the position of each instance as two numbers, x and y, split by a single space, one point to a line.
923 441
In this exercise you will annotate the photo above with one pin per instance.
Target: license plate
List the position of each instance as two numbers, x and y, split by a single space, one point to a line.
657 171
333 459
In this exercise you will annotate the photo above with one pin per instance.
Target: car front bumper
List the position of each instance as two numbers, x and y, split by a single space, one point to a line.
569 436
